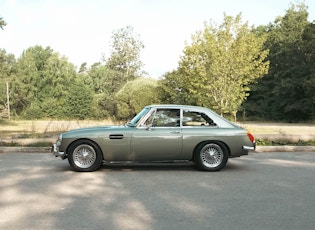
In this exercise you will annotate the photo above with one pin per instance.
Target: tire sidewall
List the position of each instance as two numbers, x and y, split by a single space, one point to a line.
200 163
97 163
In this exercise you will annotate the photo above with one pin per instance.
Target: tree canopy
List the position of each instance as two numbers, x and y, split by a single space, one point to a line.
2 23
286 92
221 62
135 95
125 53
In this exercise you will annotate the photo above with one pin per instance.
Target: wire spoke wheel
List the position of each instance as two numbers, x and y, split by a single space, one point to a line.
84 156
211 156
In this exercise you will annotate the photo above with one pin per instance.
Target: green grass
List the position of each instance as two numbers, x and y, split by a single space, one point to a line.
262 142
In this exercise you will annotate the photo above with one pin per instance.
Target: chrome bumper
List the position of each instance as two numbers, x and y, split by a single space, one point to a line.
249 148
56 152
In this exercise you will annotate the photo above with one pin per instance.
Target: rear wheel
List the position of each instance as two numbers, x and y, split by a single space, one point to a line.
211 156
84 156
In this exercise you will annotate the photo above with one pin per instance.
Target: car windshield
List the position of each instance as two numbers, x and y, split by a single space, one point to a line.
137 118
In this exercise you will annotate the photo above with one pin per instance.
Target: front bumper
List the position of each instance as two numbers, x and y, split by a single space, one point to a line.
56 152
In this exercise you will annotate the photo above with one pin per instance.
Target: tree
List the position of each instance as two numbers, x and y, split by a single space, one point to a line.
284 93
135 95
173 91
7 71
125 54
122 65
220 64
79 101
2 23
105 80
309 83
41 82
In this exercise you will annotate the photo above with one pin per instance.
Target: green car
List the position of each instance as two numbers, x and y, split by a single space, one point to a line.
159 133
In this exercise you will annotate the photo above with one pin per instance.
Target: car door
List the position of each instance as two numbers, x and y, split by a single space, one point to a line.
159 138
196 128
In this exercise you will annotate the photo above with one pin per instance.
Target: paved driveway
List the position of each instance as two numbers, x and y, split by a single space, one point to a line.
259 191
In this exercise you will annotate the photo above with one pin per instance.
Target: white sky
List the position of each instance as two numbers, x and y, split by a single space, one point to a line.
81 29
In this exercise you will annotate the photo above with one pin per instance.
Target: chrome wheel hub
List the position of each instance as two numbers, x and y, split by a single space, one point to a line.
84 156
211 155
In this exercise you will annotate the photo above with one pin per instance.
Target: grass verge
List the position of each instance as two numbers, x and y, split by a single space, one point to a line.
264 142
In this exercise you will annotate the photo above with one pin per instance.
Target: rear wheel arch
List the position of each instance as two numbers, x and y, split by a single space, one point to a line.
211 141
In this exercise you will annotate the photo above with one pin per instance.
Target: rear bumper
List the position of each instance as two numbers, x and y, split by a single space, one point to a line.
244 151
249 148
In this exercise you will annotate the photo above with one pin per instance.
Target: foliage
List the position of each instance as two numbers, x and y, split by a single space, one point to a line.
79 101
287 92
106 106
221 62
2 23
41 83
122 66
135 95
7 70
125 53
172 89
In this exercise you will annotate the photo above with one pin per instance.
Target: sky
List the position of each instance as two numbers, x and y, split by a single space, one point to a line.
81 30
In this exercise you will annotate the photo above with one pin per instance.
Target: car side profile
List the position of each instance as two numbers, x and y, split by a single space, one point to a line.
161 133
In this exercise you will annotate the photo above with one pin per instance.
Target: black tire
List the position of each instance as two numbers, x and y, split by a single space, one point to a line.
211 156
84 156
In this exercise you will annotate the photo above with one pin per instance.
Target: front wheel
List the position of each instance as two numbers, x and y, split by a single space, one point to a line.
211 156
84 156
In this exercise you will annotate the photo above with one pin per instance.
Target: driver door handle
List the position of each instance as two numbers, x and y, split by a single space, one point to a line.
175 132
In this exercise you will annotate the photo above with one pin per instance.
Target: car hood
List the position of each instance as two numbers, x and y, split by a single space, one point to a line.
95 131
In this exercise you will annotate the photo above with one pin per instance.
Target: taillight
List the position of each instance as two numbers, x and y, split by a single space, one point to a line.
251 137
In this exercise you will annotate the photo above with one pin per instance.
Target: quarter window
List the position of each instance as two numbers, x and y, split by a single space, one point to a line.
193 118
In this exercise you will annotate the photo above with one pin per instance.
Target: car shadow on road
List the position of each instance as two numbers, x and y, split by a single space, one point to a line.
148 167
186 166
189 166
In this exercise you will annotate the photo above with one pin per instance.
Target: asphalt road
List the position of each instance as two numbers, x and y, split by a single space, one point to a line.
259 191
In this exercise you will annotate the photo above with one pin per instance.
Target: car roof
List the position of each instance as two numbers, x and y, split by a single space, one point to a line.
177 106
219 120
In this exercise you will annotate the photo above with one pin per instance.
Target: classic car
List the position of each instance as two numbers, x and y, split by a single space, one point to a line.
159 133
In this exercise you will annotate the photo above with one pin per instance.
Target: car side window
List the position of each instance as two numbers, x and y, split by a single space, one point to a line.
166 118
194 118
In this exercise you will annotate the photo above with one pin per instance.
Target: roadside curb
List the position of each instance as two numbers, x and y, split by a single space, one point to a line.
259 149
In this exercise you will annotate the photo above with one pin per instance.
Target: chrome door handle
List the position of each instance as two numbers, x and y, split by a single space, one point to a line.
175 132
